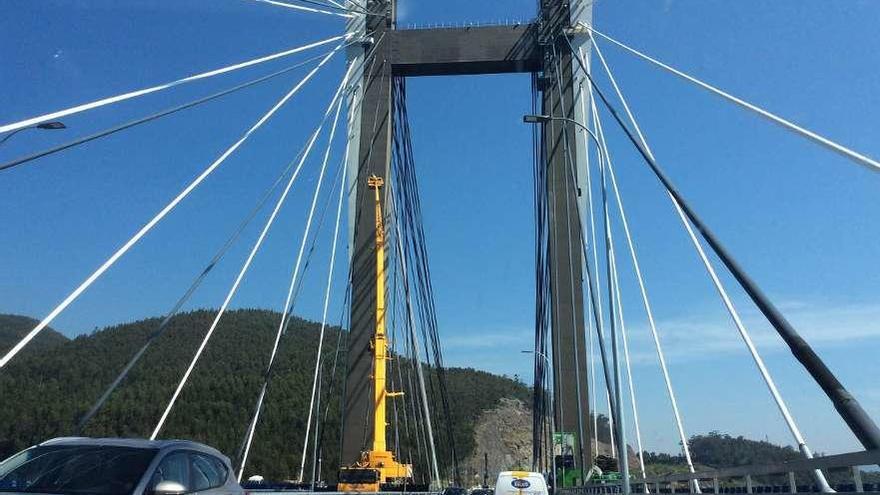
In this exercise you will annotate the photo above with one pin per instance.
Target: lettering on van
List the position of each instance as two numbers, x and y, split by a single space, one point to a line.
520 484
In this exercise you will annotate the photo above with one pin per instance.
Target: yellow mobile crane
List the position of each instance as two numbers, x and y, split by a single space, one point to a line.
377 469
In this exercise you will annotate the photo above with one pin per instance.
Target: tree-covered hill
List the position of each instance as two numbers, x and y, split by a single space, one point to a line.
44 393
14 327
720 450
51 384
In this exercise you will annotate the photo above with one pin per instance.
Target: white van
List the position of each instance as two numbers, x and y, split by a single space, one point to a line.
520 483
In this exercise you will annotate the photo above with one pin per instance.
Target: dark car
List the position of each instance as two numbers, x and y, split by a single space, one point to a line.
455 490
114 466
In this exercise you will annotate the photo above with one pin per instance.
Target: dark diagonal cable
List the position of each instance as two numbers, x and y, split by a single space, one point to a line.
184 298
858 420
149 118
416 245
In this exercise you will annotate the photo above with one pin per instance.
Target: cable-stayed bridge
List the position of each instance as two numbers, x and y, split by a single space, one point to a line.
577 101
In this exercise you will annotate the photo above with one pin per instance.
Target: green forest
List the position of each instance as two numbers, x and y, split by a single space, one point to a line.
54 381
718 450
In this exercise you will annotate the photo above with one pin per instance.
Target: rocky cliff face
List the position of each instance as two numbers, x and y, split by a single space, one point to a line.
505 434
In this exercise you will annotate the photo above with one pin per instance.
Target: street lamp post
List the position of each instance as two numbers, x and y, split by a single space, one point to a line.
617 391
51 126
543 119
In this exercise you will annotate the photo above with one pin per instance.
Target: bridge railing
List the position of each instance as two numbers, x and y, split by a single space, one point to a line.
292 491
745 479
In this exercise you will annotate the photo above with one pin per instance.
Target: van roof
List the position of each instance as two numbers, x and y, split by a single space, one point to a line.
520 474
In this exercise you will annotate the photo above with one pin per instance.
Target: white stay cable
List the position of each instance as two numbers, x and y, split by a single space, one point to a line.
279 333
765 373
650 313
855 156
244 269
324 317
610 424
615 281
251 429
293 280
162 213
141 92
259 407
592 380
305 9
592 369
337 4
600 330
605 164
327 295
771 385
645 302
401 256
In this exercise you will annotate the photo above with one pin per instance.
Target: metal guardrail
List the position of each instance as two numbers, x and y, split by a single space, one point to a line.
668 483
272 491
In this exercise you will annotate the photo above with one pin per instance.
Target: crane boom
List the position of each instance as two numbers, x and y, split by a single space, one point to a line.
377 469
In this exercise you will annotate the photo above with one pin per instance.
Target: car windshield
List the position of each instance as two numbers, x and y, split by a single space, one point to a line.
76 469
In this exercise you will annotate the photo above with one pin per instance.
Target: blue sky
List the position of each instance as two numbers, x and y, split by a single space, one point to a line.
799 218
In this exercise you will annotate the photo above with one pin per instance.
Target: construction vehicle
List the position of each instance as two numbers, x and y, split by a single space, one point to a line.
377 469
567 473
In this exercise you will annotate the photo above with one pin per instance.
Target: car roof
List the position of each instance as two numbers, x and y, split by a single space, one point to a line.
133 442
